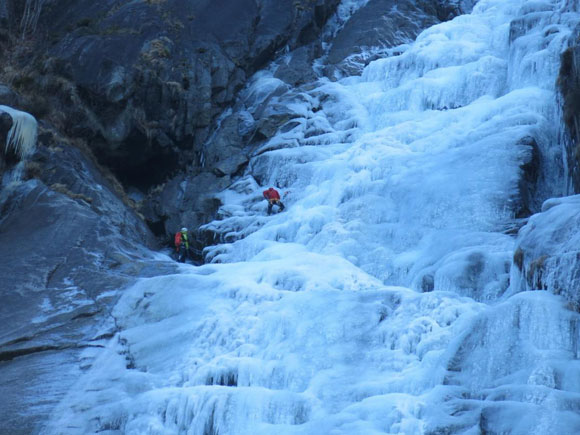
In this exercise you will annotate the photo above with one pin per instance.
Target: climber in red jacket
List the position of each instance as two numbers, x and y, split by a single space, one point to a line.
181 241
273 198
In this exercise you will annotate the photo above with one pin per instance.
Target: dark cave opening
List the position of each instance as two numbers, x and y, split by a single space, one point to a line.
157 228
147 173
140 162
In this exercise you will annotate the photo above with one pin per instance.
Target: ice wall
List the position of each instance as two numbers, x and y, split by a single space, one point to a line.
383 299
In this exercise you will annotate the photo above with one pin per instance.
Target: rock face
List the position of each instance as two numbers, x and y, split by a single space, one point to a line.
68 246
569 83
547 256
5 125
384 24
150 76
141 84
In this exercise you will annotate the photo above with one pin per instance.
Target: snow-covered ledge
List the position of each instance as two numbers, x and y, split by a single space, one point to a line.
22 135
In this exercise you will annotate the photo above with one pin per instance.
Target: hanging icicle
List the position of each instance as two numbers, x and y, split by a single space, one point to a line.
30 16
22 135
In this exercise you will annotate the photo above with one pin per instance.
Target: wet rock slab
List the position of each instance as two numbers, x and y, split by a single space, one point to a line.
68 247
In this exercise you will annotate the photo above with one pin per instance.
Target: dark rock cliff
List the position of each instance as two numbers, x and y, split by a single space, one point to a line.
147 78
569 84
68 243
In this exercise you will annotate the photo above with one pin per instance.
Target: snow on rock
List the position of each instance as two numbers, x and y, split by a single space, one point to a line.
547 254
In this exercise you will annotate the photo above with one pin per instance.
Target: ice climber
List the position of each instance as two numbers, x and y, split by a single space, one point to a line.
182 245
273 198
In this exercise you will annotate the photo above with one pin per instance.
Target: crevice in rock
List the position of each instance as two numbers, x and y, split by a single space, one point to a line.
17 341
569 86
87 314
142 163
50 275
157 227
105 336
12 354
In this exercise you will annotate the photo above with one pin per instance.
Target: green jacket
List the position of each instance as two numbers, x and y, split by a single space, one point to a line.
185 239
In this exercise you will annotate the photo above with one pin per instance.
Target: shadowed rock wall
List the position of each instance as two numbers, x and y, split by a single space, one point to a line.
68 245
569 84
150 76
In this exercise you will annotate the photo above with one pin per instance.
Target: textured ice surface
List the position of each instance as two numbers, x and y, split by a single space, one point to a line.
380 300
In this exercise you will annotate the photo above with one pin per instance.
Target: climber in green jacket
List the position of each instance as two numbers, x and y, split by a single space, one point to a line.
182 245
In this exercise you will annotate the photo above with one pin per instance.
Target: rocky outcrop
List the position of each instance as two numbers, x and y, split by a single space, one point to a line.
19 131
546 255
5 125
69 245
384 24
528 182
569 84
186 201
143 81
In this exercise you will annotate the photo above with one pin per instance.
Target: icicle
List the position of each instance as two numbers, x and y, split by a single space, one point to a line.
30 16
23 133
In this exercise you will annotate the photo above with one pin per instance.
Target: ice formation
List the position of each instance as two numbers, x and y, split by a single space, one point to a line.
384 299
22 135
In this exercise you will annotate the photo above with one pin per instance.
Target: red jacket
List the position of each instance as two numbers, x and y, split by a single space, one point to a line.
271 193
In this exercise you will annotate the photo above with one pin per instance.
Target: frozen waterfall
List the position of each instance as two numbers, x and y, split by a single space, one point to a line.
20 141
22 135
380 300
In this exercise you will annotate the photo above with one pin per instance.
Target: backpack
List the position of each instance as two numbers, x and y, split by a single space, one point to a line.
271 194
177 239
